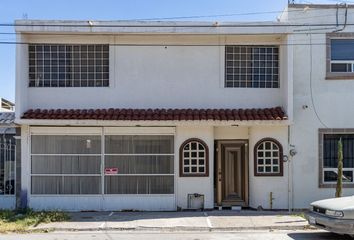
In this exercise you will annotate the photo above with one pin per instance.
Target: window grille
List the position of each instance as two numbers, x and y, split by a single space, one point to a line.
66 65
330 157
268 158
194 158
7 165
252 66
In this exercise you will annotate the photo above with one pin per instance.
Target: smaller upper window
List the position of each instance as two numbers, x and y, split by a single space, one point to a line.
248 66
268 155
342 55
194 158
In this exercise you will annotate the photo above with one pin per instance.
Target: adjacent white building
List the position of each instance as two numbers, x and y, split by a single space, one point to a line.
121 115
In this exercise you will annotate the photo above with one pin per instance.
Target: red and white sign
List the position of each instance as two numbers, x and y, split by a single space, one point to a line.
110 171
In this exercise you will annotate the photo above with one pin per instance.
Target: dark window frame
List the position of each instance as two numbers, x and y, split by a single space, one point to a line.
181 159
321 133
280 156
336 75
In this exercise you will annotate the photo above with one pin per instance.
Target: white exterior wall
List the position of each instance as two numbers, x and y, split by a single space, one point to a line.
190 185
261 187
332 99
163 76
167 75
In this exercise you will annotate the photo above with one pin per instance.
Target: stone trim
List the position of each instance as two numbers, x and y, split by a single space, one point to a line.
330 75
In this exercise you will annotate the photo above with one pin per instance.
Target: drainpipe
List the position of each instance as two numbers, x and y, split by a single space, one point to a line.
292 153
289 177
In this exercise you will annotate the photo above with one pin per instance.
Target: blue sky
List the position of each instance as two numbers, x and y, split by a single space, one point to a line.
116 10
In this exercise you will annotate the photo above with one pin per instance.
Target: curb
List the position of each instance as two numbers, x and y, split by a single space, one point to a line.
177 229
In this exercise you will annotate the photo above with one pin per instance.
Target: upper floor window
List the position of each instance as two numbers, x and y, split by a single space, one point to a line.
53 65
342 55
268 155
252 67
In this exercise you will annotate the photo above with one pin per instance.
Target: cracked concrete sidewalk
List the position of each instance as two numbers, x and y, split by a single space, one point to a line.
225 220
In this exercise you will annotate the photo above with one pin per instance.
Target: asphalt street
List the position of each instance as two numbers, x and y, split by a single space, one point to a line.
249 235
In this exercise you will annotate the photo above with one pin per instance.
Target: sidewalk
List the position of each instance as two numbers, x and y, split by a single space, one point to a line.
225 220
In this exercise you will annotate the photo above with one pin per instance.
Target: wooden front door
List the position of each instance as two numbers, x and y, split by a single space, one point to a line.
232 173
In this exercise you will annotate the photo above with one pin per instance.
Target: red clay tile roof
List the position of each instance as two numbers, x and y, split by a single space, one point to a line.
158 114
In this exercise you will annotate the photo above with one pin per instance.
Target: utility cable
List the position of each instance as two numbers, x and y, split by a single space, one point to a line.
311 88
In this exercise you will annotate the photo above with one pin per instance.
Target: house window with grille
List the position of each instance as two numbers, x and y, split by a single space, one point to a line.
330 158
68 65
194 158
268 158
251 66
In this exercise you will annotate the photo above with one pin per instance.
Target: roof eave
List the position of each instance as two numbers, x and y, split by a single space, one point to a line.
62 122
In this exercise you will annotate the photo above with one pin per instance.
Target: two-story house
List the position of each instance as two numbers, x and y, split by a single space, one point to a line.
157 115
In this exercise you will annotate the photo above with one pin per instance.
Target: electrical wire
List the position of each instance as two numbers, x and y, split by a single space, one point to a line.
214 25
164 44
214 15
234 14
311 88
345 21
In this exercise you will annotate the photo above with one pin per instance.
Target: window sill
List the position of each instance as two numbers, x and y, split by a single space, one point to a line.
194 175
268 174
339 76
333 185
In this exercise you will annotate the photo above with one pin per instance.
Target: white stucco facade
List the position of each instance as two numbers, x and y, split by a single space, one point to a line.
170 66
313 93
259 188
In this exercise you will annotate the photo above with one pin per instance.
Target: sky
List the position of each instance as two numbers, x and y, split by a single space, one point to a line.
120 10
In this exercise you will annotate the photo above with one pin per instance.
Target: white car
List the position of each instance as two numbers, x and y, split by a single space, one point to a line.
334 215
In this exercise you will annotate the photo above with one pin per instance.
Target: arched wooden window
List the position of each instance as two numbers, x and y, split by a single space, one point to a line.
268 158
194 158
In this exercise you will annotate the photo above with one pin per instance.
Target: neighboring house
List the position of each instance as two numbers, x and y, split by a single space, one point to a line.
6 105
7 155
119 115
